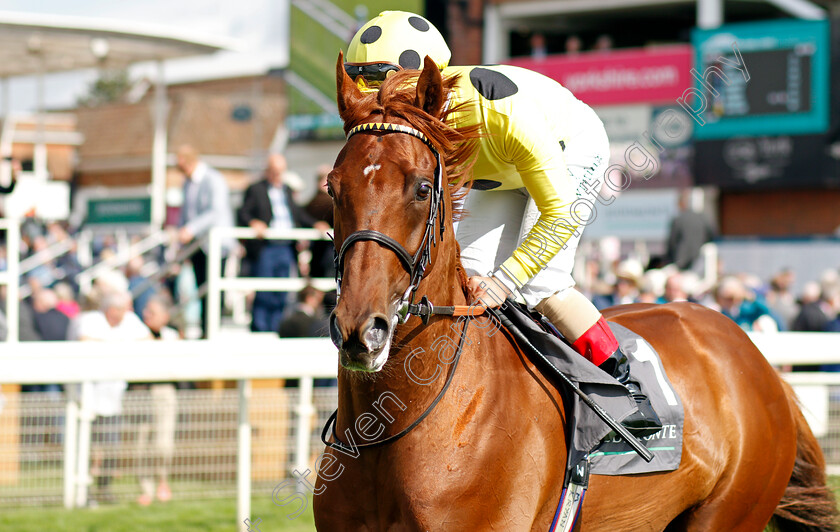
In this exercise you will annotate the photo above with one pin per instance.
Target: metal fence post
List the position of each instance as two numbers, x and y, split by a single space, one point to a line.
83 479
304 424
71 445
243 466
214 276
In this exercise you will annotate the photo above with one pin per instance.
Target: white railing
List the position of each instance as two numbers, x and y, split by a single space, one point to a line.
216 283
258 357
125 253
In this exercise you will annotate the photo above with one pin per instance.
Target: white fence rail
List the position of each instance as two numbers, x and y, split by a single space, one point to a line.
266 357
258 357
216 283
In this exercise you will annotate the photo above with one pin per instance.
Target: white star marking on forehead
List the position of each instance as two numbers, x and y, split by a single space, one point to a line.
371 168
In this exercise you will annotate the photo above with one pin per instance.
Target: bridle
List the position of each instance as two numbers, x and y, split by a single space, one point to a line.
414 264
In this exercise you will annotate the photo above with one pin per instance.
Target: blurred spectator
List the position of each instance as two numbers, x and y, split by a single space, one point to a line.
689 231
269 203
27 330
573 45
308 318
16 168
780 298
833 324
816 313
51 326
206 205
320 207
114 321
157 315
603 43
626 287
674 289
45 273
50 323
135 280
4 326
538 47
749 313
651 286
156 435
67 303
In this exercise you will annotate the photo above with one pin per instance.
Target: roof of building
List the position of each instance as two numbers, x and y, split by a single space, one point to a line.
32 43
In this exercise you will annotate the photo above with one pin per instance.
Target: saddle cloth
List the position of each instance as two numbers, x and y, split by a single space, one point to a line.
608 454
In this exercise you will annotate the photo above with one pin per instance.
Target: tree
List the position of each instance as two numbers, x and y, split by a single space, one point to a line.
111 86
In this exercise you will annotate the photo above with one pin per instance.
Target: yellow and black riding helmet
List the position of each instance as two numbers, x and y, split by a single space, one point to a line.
393 41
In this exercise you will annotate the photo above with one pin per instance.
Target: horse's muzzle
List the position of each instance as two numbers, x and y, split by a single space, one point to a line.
361 348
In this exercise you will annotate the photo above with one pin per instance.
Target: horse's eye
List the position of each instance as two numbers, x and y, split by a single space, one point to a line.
423 191
330 191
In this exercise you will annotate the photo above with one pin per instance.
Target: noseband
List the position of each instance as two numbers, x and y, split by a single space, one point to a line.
414 264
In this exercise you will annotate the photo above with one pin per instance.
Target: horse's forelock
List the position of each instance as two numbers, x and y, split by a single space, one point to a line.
396 99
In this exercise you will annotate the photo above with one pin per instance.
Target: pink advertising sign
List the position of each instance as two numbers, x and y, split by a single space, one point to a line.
639 75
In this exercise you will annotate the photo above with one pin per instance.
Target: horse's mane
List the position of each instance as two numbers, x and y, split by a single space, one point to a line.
455 141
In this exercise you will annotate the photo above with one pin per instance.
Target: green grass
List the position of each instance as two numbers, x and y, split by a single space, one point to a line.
175 516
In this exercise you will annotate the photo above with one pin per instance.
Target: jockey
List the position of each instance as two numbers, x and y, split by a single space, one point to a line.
539 167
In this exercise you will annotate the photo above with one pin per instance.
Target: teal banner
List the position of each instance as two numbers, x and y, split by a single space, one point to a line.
760 78
118 211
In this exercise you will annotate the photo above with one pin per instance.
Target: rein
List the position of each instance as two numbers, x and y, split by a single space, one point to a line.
415 265
339 445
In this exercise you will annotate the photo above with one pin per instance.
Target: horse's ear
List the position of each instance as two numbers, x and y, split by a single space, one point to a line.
430 95
347 91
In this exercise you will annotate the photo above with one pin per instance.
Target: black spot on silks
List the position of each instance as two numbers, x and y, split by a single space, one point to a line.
485 184
371 34
418 23
410 60
491 84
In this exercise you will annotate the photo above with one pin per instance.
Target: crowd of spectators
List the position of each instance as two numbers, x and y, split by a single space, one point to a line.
54 298
754 304
55 305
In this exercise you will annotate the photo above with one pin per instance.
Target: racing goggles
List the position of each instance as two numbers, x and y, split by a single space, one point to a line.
372 72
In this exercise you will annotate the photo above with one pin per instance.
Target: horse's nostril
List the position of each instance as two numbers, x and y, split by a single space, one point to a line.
376 334
335 333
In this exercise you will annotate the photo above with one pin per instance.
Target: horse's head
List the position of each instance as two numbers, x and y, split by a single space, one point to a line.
387 207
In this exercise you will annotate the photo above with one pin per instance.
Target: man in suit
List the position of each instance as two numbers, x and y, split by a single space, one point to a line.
688 232
206 205
269 204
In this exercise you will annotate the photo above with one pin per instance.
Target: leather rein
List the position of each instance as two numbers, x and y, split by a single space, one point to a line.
415 264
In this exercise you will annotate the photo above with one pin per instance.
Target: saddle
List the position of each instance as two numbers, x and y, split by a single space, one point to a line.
593 447
590 435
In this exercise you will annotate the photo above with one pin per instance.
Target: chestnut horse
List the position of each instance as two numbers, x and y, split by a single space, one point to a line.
490 455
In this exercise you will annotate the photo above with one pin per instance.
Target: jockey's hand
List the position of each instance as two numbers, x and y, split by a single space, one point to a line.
488 290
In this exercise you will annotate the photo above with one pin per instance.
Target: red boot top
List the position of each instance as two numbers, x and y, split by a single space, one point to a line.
598 343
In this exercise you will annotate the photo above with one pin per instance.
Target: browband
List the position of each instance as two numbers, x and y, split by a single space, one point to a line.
392 128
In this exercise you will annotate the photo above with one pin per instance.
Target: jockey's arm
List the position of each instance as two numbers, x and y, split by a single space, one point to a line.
540 162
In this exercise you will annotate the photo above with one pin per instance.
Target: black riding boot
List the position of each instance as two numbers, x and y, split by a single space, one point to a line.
644 421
